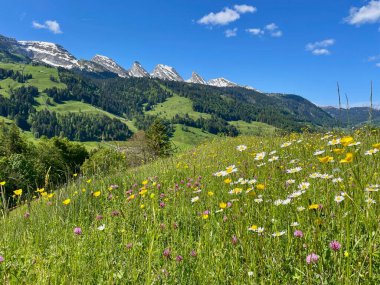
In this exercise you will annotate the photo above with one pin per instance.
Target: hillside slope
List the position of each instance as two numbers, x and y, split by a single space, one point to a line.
214 215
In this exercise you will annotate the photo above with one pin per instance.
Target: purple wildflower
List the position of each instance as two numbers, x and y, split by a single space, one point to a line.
77 231
193 253
166 252
335 245
129 245
98 217
234 240
179 258
26 215
312 258
115 213
298 233
1 259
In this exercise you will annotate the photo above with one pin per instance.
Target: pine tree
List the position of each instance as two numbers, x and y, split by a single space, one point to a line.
158 139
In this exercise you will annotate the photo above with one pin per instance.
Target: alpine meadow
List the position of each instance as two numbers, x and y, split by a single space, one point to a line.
115 175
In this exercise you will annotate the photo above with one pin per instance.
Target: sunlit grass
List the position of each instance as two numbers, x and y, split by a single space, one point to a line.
246 210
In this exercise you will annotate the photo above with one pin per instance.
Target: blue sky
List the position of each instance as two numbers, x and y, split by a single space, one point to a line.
289 46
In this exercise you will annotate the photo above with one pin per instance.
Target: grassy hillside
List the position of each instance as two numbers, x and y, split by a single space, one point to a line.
176 105
254 128
41 77
302 209
187 137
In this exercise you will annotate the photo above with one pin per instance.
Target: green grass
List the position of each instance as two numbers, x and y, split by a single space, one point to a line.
6 120
176 105
253 128
188 137
41 77
157 216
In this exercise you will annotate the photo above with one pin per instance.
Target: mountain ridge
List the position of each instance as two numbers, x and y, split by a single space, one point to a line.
56 55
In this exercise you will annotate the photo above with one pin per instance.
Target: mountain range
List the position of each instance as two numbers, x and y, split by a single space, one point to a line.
44 89
55 55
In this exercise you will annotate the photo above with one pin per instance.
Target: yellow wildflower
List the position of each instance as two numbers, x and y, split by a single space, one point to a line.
210 193
338 150
51 195
89 180
227 181
142 206
96 194
260 186
253 228
349 158
145 182
222 205
325 159
18 192
2 183
345 141
313 206
66 202
376 145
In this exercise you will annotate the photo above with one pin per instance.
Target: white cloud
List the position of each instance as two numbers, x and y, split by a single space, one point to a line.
226 16
320 48
242 9
221 18
255 31
374 58
50 25
274 30
378 64
271 27
320 51
369 13
321 44
38 25
276 34
231 33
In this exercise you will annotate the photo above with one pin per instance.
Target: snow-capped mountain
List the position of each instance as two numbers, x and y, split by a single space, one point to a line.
49 53
57 56
165 72
221 82
137 70
91 66
196 78
110 65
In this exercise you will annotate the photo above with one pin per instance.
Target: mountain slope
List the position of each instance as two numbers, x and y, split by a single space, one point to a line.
165 72
196 78
221 82
110 65
137 70
353 116
51 54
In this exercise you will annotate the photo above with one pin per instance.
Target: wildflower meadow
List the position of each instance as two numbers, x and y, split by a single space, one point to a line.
295 209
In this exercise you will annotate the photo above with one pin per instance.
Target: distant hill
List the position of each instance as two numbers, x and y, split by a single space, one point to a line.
353 116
